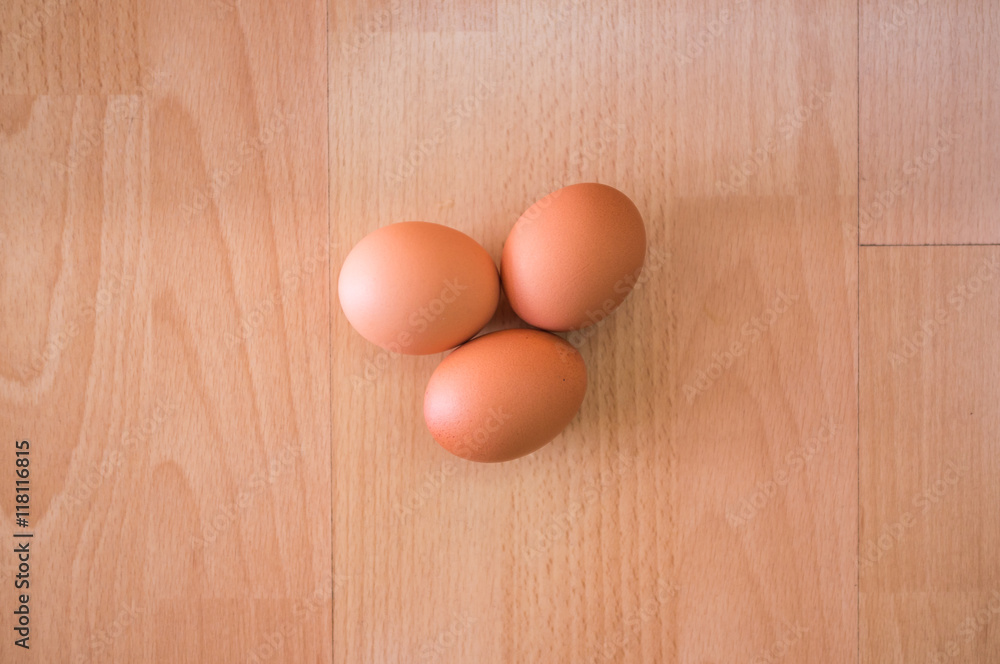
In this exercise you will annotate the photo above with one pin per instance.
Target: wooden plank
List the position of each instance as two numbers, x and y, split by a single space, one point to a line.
71 47
930 577
165 335
930 106
613 542
166 258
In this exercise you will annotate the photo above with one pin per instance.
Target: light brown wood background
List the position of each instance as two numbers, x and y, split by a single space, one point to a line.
223 470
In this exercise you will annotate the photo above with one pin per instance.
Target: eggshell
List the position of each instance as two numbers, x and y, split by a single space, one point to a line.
573 257
504 394
418 288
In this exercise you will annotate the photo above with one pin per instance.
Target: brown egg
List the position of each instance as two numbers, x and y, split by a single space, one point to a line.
504 394
418 288
573 257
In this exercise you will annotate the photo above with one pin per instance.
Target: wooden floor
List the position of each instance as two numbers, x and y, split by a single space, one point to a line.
789 450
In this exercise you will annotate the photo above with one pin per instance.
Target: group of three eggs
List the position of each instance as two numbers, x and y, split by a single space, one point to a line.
419 288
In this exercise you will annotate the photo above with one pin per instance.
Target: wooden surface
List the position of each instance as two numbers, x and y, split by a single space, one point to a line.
165 332
930 576
930 108
223 470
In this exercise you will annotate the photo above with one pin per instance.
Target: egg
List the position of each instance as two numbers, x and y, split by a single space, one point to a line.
573 257
504 395
418 288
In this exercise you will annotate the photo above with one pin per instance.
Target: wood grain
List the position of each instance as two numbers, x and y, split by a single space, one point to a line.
930 106
223 470
930 577
71 47
165 333
612 543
